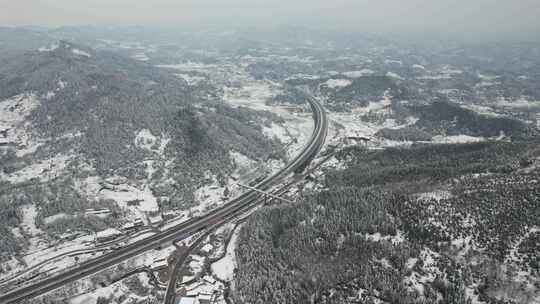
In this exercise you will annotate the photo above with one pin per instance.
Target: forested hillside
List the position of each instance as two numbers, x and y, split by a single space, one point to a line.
73 117
445 117
427 224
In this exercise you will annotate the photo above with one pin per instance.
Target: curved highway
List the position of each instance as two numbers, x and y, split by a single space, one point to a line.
233 207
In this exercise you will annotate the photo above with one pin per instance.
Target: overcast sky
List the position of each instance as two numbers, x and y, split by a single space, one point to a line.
367 15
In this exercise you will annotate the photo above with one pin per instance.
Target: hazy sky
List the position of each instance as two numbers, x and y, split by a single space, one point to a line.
368 15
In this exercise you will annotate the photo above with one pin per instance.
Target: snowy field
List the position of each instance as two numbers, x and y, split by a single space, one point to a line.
224 268
13 120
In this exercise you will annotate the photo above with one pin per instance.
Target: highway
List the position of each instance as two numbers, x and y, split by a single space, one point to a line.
170 294
314 145
101 247
194 225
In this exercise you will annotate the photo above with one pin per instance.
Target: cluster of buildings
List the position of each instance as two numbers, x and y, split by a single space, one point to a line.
208 293
108 235
200 298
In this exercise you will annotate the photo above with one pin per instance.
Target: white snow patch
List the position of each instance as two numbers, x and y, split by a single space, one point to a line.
435 77
81 53
189 66
242 161
276 131
61 85
150 257
394 239
145 139
411 262
125 193
224 268
29 220
436 195
196 264
303 76
191 79
50 95
15 109
394 75
13 120
54 218
481 109
457 139
447 69
390 61
209 195
416 281
50 48
43 170
485 84
114 291
110 232
385 102
253 95
207 248
357 74
518 104
355 126
165 140
338 83
488 77
470 294
140 57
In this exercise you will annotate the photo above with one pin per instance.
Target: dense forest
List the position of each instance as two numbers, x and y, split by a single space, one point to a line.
447 118
426 224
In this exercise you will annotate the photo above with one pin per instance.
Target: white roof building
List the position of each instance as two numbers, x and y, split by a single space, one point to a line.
154 220
209 279
159 264
207 248
187 300
205 298
108 234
